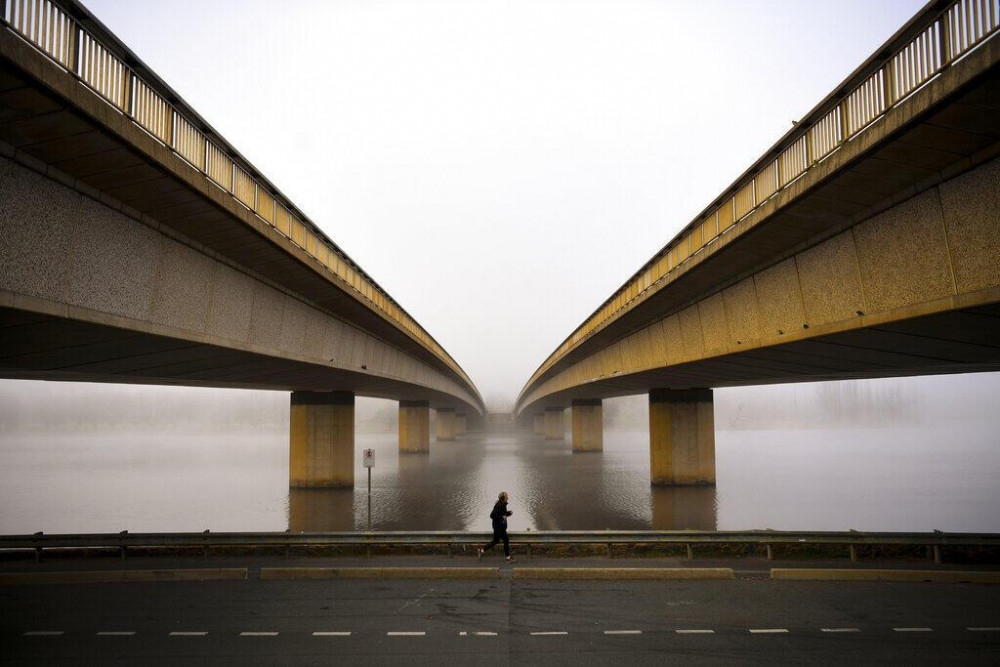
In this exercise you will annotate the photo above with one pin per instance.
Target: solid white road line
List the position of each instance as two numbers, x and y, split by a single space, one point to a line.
188 634
983 629
258 634
767 631
331 634
116 633
58 633
623 632
406 634
913 629
695 632
548 634
840 629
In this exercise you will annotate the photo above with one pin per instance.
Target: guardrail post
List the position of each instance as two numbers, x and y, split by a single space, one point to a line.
38 536
123 548
854 554
529 550
944 40
74 49
770 554
204 548
129 87
610 554
690 551
845 120
937 555
889 83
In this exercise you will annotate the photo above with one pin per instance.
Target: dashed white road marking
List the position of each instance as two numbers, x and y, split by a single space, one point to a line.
768 631
331 634
58 633
179 633
695 632
623 632
258 634
486 634
406 634
116 633
840 629
548 634
983 629
913 629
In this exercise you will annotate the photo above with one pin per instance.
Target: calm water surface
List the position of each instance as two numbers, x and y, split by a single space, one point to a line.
867 479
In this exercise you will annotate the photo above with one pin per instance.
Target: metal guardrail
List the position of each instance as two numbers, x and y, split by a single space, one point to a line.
108 68
206 540
940 34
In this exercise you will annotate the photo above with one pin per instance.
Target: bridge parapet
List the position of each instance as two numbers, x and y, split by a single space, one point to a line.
942 34
74 39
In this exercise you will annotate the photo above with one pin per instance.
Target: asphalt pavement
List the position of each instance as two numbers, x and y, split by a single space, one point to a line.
498 620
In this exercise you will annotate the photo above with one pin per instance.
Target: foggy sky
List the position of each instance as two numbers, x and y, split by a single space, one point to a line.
500 168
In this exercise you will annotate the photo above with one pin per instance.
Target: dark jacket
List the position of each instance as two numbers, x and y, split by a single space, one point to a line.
499 515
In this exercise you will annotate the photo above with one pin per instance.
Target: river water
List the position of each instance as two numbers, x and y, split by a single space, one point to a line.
893 479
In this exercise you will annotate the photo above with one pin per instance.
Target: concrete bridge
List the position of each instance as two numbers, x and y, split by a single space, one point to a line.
138 246
865 243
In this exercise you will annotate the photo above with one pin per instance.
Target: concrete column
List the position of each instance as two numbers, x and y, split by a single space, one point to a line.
588 425
321 440
555 429
461 424
445 424
681 436
538 424
414 426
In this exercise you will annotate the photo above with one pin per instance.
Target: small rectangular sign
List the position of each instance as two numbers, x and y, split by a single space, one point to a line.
369 458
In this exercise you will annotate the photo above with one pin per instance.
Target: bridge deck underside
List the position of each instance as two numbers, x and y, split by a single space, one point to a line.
87 144
928 139
944 130
38 346
954 342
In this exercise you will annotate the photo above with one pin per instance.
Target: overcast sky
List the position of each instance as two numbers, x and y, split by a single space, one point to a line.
501 167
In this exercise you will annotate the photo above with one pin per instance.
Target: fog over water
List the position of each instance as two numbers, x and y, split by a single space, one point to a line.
897 454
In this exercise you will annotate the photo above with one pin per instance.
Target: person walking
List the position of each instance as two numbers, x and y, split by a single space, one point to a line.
499 517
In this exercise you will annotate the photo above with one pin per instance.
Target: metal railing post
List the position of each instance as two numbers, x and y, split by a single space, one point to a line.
944 39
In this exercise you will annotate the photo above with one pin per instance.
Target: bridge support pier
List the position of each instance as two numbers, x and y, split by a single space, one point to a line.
538 424
414 426
321 439
445 427
588 425
681 436
461 424
555 428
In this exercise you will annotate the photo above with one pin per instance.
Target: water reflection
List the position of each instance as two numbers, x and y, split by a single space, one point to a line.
901 478
313 510
454 487
679 508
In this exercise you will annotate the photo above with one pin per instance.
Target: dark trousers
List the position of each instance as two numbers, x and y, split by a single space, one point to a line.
499 535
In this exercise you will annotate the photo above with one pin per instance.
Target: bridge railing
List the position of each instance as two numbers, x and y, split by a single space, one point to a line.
49 25
122 542
920 51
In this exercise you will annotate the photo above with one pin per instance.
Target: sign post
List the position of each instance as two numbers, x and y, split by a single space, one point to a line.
369 462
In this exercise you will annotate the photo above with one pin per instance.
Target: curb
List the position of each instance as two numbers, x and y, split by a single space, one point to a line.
953 576
114 576
276 573
622 573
